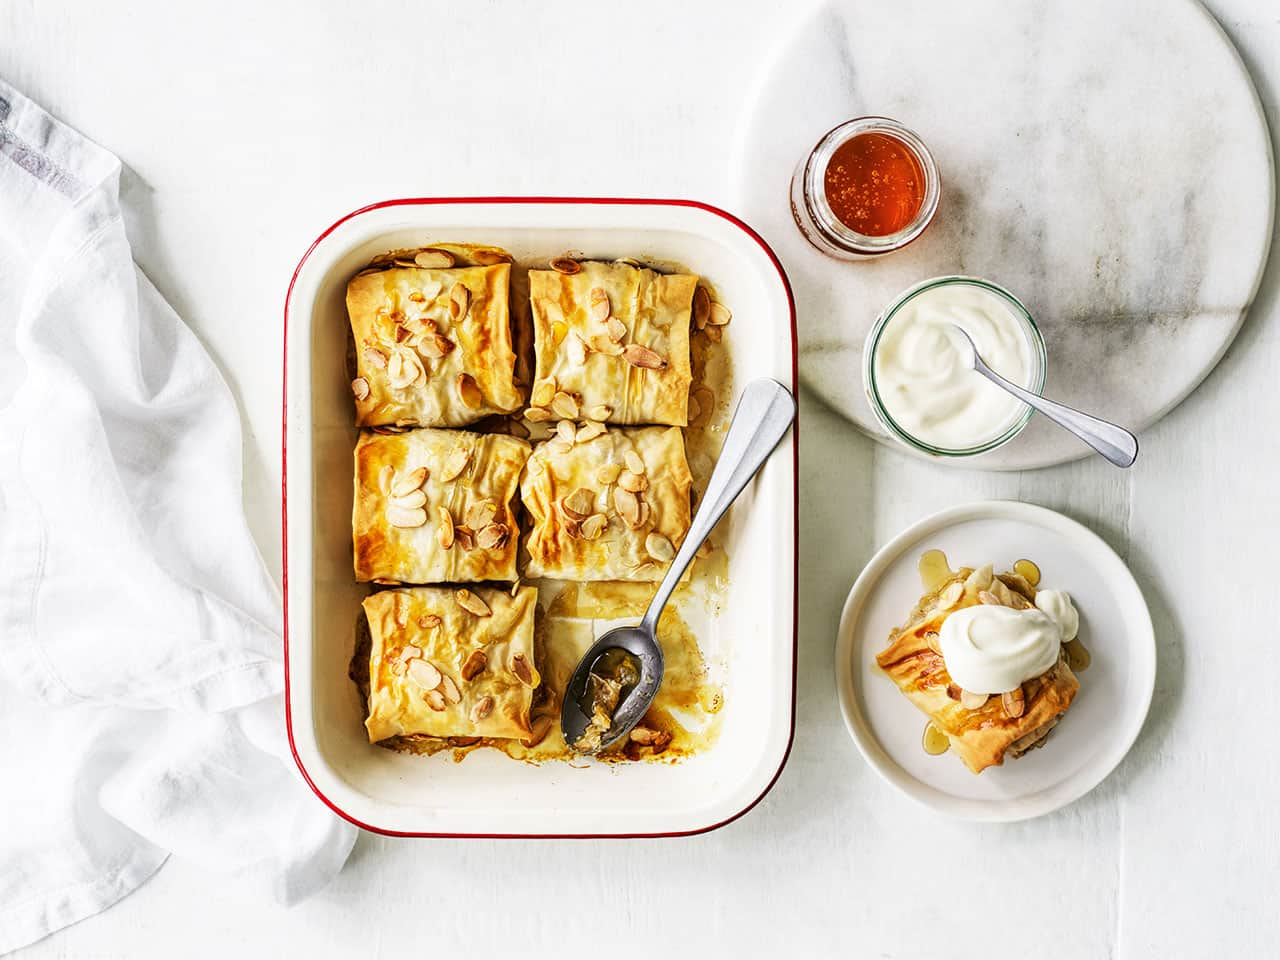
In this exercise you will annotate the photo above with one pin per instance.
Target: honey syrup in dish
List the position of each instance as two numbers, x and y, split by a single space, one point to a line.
874 184
935 570
1078 656
934 741
1028 571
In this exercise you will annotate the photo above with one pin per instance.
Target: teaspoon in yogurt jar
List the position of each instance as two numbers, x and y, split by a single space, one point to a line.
919 380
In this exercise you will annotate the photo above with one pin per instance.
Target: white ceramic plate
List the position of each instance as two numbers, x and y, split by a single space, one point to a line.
1115 690
753 634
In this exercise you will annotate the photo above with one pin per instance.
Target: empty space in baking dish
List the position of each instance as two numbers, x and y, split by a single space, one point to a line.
752 633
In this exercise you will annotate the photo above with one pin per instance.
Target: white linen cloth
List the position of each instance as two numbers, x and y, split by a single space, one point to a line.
140 654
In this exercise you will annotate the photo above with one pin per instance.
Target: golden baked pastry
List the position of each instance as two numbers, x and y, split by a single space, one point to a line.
435 506
611 343
613 505
448 662
433 347
982 730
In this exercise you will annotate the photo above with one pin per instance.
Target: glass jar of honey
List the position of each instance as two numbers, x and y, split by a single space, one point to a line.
869 187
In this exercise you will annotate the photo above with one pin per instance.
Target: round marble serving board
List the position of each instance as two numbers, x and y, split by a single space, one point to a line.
1107 162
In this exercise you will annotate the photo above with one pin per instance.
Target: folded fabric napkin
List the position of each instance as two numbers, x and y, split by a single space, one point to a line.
140 655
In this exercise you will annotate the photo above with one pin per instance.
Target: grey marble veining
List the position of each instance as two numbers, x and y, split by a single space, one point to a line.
1106 162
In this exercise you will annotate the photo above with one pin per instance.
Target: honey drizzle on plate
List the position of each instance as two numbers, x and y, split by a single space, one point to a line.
934 741
1028 571
935 570
1078 656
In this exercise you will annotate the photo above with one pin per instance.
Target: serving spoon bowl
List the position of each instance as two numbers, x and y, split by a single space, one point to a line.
762 419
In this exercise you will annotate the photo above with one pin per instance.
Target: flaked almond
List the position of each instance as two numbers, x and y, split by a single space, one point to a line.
464 536
644 514
483 707
480 514
385 476
566 431
628 506
701 307
402 333
435 700
593 526
459 300
487 258
409 651
602 344
402 370
469 391
649 738
659 547
575 348
424 673
719 314
360 388
445 532
972 701
635 482
430 290
417 297
411 500
429 621
643 357
538 732
375 357
538 415
433 259
543 392
608 473
616 329
474 665
523 670
402 517
566 265
713 334
951 595
589 431
455 463
599 304
435 346
469 602
493 536
558 447
989 598
449 688
633 461
600 411
406 483
1014 702
579 504
397 668
564 405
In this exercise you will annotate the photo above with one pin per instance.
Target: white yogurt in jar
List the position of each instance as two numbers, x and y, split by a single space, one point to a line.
922 380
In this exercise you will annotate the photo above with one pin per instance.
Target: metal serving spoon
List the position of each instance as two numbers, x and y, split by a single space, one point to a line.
763 416
1112 441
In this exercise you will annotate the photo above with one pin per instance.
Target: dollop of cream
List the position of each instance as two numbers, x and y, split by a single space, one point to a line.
992 649
1059 608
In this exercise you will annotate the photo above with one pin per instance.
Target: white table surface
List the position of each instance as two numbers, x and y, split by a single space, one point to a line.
249 127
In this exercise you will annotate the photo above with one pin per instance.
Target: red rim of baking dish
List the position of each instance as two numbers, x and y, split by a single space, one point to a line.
284 506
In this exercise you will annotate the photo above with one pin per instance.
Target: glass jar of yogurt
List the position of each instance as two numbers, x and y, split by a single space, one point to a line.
916 380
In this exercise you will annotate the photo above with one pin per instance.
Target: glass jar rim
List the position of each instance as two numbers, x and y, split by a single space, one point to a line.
1040 364
815 193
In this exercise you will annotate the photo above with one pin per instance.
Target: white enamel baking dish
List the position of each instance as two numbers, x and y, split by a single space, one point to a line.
489 794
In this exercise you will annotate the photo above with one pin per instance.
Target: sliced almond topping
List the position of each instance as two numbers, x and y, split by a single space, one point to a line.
951 595
406 483
628 506
430 290
602 344
435 700
376 357
589 431
435 346
471 603
487 258
579 504
493 536
1014 702
633 461
417 297
543 393
617 329
455 463
608 473
450 690
474 665
524 671
400 517
566 265
644 514
480 514
649 738
445 533
635 482
411 500
599 304
360 387
385 476
989 598
469 391
410 651
972 701
538 415
719 314
430 621
397 668
566 431
483 707
639 356
593 526
713 334
558 447
459 300
701 307
564 405
424 673
659 547
541 727
464 537
402 333
600 411
575 348
433 259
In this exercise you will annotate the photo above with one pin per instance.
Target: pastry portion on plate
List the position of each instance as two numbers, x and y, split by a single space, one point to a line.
983 657
451 662
606 504
436 506
433 346
611 343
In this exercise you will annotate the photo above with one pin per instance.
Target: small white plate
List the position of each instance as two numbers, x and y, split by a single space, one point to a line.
1115 690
